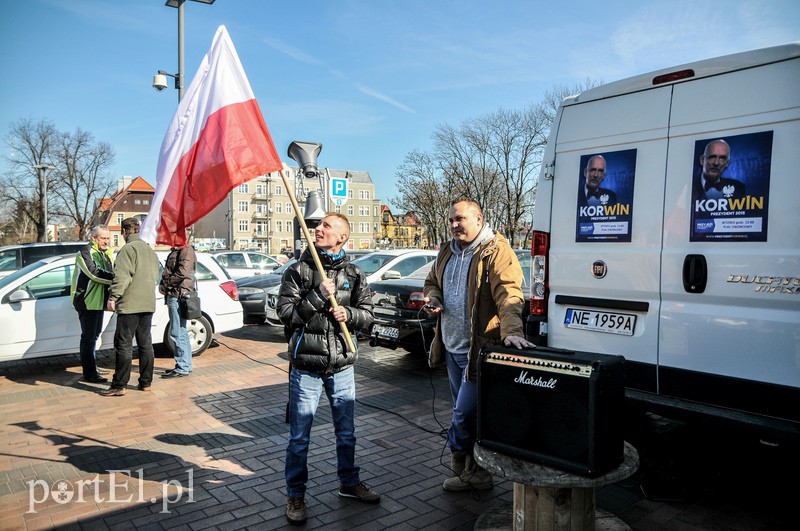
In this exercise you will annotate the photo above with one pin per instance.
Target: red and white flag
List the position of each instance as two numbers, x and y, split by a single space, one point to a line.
216 141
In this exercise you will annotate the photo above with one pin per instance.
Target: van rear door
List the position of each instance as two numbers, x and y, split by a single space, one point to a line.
603 269
731 341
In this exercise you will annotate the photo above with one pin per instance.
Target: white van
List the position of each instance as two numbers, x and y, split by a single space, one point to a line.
667 230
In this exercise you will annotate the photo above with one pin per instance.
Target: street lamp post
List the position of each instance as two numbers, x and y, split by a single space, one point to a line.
40 171
179 76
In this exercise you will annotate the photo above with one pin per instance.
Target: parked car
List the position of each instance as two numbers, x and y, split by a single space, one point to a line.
399 318
245 263
395 263
39 320
389 264
13 257
253 292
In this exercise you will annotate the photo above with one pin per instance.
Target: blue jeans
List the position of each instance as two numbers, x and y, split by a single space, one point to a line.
180 337
463 428
305 390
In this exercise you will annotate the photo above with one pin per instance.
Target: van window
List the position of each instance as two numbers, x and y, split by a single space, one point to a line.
9 260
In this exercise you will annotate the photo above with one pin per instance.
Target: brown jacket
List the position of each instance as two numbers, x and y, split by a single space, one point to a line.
495 297
178 275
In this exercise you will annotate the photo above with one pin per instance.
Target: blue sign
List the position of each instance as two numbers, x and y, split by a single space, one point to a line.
339 191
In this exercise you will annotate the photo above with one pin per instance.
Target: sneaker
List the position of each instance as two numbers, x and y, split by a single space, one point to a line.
173 374
95 379
296 510
141 387
361 492
112 391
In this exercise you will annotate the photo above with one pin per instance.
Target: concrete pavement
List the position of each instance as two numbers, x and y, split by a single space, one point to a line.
207 451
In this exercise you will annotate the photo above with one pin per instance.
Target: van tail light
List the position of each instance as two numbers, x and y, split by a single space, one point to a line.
416 301
230 288
540 247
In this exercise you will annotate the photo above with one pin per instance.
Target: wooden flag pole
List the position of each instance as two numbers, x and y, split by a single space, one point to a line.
313 249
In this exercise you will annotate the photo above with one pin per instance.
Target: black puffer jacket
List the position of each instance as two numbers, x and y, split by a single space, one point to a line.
315 340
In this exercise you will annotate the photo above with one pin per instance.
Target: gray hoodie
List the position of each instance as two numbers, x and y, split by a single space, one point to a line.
455 316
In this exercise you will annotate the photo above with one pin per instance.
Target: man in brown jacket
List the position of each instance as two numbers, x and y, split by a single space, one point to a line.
475 289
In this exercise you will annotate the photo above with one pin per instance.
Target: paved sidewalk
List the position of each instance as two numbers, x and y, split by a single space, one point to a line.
207 451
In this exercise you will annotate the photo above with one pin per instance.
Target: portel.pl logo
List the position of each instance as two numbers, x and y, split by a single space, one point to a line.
118 491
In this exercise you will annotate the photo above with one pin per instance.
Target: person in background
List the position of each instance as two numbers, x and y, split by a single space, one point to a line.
91 278
320 360
475 289
176 279
133 298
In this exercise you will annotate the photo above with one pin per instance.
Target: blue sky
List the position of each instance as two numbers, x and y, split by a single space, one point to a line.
369 79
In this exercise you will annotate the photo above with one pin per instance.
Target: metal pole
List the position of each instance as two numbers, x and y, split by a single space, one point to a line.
44 202
179 80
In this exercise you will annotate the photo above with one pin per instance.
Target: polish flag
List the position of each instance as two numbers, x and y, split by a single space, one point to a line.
216 141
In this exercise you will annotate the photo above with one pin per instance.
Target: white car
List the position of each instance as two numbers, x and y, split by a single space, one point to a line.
393 263
245 263
38 318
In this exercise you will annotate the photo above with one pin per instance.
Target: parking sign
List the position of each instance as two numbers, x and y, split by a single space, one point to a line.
339 191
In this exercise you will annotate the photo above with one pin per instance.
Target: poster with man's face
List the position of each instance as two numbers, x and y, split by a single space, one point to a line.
730 188
605 196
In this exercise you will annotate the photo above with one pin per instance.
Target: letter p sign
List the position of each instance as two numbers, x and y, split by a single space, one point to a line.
339 191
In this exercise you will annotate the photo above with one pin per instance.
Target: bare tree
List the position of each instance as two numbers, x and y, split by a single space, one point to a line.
82 164
30 144
494 159
426 192
76 185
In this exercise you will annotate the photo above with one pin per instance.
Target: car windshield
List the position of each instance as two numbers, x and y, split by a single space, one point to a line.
284 267
372 262
423 271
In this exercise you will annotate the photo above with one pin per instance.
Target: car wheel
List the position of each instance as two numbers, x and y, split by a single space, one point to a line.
200 335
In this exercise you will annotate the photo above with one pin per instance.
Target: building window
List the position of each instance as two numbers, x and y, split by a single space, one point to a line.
289 207
243 188
137 201
279 208
244 225
351 210
120 217
363 227
278 226
145 201
363 210
350 193
278 189
363 194
244 206
261 189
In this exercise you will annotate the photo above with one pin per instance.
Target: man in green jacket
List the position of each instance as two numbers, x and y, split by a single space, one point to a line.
475 287
133 298
91 278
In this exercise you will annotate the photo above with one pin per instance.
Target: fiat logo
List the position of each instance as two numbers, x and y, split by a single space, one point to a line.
599 269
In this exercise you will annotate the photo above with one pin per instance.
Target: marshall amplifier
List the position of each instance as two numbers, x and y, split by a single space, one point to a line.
553 407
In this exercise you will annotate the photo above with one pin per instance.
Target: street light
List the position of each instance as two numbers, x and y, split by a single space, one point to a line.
160 80
40 171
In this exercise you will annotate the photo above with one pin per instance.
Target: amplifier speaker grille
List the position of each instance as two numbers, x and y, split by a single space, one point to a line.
558 408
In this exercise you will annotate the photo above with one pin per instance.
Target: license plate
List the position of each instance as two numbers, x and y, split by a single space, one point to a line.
272 314
386 331
609 322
